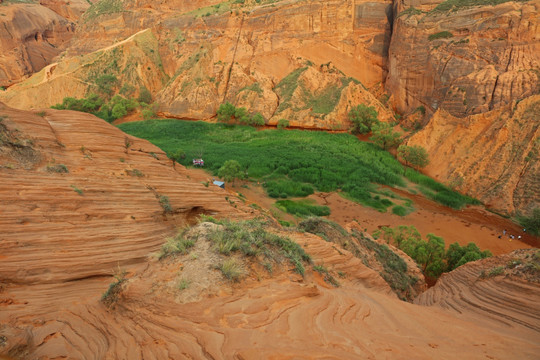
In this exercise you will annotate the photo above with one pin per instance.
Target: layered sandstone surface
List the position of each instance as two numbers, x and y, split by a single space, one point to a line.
492 289
463 59
79 197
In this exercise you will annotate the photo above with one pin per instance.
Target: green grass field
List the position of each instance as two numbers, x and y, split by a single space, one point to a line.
293 163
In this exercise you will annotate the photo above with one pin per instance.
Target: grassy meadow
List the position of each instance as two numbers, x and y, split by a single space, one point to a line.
295 163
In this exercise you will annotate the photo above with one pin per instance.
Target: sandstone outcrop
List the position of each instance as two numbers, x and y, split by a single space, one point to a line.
491 156
483 289
31 35
153 318
463 59
80 197
132 64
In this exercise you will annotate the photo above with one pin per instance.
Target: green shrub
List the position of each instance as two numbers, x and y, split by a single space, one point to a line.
414 155
257 120
57 168
232 269
165 204
440 35
251 239
145 96
496 271
282 124
226 112
399 210
135 173
77 190
303 208
118 111
385 136
180 244
230 171
110 297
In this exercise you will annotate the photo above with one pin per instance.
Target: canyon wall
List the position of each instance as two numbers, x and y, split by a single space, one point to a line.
463 59
310 62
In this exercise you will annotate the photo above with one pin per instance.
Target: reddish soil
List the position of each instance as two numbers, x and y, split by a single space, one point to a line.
59 249
471 224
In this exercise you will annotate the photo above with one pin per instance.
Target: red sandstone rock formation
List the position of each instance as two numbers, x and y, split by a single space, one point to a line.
465 60
492 156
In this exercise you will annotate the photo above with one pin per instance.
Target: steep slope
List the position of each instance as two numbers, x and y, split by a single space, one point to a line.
492 156
79 197
233 52
125 67
503 289
465 57
32 35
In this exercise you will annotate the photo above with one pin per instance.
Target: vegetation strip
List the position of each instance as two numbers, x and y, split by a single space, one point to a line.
294 163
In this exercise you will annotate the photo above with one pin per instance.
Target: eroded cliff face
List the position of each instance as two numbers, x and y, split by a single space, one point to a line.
492 156
32 35
463 59
133 63
214 53
310 61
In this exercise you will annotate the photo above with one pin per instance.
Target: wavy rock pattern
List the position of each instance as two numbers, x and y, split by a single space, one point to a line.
51 233
508 299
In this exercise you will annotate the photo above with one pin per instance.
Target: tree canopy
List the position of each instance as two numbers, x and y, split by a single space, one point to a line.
430 254
230 171
414 155
385 136
362 117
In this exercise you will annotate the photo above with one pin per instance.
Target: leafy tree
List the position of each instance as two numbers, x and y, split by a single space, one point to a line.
258 120
230 171
145 96
176 156
118 111
149 111
362 117
433 254
385 136
400 234
226 112
430 255
414 155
